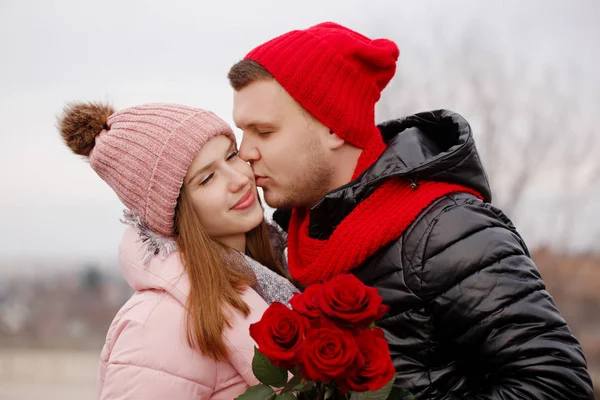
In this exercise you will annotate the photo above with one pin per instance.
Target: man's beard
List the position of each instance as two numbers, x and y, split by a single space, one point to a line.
307 189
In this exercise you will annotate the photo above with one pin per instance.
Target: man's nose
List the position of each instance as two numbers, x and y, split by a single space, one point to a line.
248 151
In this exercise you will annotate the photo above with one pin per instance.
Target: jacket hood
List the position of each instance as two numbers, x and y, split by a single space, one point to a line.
430 146
151 262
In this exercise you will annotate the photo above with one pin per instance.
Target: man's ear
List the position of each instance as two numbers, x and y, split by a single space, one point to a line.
333 141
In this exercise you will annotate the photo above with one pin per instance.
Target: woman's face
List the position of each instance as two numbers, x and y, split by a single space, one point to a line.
223 192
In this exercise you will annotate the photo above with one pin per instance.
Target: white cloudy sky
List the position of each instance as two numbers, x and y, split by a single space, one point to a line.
130 52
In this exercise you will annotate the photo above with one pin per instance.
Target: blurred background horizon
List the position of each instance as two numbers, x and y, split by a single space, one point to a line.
524 74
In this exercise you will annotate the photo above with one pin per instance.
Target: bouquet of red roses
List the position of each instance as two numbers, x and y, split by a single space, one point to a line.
327 344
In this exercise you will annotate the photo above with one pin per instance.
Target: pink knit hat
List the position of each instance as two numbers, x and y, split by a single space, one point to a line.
142 152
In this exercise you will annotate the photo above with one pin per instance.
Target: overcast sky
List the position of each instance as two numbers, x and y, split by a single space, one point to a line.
129 52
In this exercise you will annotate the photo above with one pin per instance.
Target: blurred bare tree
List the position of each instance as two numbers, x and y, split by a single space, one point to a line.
533 127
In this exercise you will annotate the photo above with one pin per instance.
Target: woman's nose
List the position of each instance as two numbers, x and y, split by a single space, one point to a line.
238 179
248 152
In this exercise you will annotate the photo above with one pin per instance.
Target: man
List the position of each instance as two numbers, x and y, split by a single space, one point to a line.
406 208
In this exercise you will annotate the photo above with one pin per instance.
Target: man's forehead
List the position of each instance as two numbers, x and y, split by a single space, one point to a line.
255 107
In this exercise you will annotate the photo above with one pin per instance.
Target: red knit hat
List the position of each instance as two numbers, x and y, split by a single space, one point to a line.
335 73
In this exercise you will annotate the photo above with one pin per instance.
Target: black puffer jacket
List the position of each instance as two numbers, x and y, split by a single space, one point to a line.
470 317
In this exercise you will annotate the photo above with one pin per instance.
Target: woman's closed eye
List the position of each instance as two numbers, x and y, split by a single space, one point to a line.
207 179
232 155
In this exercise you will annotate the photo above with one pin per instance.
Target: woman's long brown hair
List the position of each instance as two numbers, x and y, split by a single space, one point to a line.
216 283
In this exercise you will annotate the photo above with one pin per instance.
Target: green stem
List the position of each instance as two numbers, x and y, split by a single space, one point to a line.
321 391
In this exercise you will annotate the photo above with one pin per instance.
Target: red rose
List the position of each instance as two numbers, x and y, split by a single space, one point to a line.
307 302
328 353
346 298
376 368
278 334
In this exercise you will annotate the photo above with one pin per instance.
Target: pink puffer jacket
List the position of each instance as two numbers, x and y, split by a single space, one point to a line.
146 355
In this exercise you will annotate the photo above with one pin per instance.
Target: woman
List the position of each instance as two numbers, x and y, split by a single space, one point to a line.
197 253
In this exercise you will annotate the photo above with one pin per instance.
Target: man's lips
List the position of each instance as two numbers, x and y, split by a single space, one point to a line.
260 180
246 201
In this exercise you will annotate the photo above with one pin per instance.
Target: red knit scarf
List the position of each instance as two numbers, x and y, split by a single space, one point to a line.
375 222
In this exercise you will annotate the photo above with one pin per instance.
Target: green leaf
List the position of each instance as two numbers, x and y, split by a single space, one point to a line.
258 392
400 394
381 394
306 387
285 396
266 372
295 381
404 394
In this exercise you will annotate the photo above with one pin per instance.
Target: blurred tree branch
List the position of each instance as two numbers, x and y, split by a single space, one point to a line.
533 125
